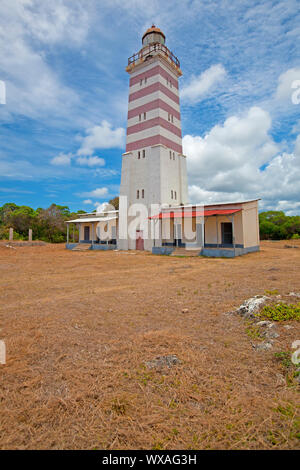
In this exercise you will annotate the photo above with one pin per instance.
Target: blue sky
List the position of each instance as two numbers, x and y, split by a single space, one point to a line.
62 129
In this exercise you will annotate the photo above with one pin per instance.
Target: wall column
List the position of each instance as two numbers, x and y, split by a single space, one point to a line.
233 234
67 233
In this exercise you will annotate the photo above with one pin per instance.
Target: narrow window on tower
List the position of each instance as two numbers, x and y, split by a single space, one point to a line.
141 82
173 155
168 116
143 193
140 117
172 117
139 155
171 194
144 153
144 116
175 195
145 80
137 194
170 154
167 81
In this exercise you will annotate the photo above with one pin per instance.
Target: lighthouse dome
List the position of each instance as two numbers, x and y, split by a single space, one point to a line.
153 35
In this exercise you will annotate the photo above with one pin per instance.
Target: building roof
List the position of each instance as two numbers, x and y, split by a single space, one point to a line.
91 219
211 204
153 29
182 214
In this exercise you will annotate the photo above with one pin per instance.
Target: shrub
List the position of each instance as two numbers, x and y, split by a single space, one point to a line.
281 312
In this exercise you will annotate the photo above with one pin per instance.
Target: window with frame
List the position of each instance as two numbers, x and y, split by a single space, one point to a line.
170 153
138 194
145 116
144 153
141 82
140 117
143 194
171 194
139 155
175 195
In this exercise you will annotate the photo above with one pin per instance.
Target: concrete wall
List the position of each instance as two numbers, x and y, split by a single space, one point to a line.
212 236
251 224
157 174
99 229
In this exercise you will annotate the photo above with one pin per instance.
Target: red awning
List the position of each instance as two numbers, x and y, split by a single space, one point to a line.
182 214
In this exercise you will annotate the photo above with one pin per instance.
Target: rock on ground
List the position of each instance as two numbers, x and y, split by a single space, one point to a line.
163 361
251 306
262 346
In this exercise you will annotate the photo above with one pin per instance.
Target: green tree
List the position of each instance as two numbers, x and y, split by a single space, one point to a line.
21 219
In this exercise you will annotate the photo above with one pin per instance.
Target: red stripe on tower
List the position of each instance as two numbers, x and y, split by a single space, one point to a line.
157 70
154 140
152 89
158 103
157 121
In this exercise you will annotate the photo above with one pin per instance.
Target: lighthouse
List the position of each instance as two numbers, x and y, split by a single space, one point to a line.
154 213
153 166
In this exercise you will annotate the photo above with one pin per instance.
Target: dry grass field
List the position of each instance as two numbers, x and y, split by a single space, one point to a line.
79 327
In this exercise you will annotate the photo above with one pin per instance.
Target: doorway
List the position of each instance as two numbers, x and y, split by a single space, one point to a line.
226 230
86 236
139 243
177 235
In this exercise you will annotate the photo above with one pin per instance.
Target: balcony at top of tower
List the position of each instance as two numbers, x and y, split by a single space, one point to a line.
153 44
153 35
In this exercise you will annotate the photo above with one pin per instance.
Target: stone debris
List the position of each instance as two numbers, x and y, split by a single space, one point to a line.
294 294
13 244
163 361
288 327
184 310
280 379
262 346
251 306
270 334
267 323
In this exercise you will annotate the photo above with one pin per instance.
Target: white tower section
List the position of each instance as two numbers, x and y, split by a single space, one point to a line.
153 166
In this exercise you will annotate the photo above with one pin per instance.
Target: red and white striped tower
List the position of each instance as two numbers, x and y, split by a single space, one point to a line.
153 166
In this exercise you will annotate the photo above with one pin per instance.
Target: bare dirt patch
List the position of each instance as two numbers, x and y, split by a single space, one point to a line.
80 327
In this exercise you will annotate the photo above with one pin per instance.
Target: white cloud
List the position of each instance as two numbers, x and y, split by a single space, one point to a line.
98 192
103 137
90 161
62 159
198 86
285 89
87 201
51 22
241 142
33 86
240 160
